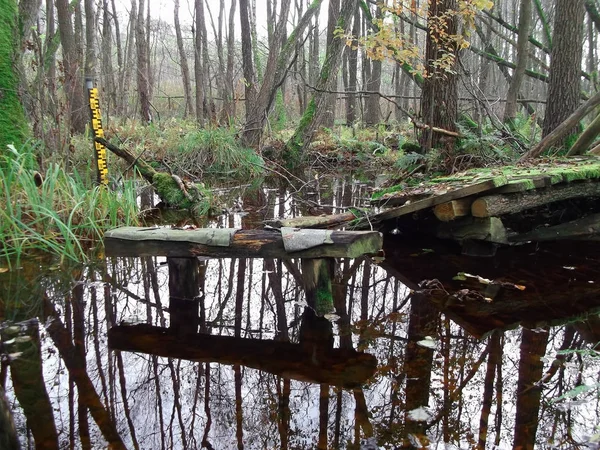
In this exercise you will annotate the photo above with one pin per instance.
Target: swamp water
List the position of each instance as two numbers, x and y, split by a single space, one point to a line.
242 362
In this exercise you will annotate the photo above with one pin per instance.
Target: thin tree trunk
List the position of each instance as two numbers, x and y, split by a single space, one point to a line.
185 70
77 113
529 391
275 73
510 109
494 356
373 86
198 63
316 110
143 86
230 101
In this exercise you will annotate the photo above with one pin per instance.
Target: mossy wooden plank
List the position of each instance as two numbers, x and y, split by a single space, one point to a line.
541 173
429 202
244 244
500 204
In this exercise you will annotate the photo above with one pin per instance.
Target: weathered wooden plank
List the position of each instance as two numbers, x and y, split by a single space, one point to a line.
429 202
244 244
313 221
497 205
336 366
584 228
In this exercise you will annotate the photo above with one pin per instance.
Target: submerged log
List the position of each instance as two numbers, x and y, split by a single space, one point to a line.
335 366
139 241
497 205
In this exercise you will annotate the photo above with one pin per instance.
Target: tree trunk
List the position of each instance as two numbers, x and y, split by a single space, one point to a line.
143 86
316 110
529 391
565 63
352 55
90 37
107 72
230 102
198 63
275 73
185 70
247 63
510 110
73 83
331 98
439 96
586 139
12 116
373 86
562 129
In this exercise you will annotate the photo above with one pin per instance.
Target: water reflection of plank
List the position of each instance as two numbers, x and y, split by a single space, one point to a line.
305 362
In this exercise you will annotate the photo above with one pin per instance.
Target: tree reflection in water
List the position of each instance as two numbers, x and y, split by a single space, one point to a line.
223 362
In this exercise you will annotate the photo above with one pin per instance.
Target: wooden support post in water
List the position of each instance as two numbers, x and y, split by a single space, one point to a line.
184 291
317 275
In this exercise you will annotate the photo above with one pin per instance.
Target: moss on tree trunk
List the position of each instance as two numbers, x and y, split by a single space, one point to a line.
13 126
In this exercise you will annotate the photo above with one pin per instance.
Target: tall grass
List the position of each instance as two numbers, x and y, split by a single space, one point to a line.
216 152
62 216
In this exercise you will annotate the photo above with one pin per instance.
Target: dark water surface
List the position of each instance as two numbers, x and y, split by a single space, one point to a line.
105 354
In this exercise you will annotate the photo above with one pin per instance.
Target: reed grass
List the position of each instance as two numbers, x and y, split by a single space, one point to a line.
63 216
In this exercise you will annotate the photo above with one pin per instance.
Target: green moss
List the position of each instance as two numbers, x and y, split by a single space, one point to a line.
292 153
169 191
324 300
559 170
13 127
390 190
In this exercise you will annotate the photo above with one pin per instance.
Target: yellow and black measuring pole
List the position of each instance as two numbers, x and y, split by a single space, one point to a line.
98 131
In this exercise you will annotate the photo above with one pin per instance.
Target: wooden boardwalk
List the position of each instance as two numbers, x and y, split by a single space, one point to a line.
549 200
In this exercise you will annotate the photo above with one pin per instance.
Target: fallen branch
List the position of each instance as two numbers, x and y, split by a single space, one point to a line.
561 130
170 188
